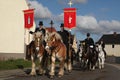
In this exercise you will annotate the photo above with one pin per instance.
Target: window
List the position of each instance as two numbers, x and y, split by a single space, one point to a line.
113 45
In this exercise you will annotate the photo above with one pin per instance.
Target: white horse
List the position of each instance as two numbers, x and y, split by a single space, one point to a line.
101 57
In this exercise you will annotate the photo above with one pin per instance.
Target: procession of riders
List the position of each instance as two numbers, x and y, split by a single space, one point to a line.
51 46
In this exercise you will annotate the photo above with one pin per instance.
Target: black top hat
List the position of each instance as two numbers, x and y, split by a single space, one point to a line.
40 23
62 25
88 34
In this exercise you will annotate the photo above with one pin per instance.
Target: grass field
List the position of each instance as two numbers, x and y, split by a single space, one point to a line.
14 64
18 64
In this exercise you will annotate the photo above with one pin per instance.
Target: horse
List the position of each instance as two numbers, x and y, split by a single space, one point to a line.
67 39
79 53
92 57
56 49
88 58
101 57
82 56
37 50
48 31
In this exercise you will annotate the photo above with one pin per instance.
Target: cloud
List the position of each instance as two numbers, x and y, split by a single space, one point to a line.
110 26
79 1
85 23
104 9
74 1
40 10
59 18
90 24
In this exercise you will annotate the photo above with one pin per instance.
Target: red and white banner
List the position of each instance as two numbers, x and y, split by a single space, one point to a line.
28 18
70 17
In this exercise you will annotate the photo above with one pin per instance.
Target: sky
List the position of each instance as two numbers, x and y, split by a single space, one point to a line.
97 17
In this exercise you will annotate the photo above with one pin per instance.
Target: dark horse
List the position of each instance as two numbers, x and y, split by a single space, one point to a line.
88 57
37 50
92 57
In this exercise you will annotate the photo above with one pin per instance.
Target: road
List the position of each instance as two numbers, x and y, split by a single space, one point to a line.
110 72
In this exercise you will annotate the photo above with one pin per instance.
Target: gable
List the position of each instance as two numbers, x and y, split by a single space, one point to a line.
110 38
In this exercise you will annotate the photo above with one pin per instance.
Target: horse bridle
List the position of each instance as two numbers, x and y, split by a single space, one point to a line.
39 42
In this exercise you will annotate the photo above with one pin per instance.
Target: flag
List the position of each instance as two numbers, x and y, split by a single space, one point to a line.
70 17
28 18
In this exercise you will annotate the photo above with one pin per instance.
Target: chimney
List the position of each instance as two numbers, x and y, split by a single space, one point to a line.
115 33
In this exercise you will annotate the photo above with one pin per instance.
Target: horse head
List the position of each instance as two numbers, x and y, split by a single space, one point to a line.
38 39
53 39
99 48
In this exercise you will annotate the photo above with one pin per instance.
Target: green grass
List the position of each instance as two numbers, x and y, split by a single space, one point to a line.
17 64
14 64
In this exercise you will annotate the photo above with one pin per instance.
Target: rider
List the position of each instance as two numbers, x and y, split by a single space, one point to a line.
89 42
103 46
65 36
40 29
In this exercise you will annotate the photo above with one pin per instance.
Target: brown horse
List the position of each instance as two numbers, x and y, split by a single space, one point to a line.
57 50
37 50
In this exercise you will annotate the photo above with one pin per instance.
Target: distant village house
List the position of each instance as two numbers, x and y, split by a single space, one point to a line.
112 44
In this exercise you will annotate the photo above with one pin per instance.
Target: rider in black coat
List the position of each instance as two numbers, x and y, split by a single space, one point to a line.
64 35
40 28
88 42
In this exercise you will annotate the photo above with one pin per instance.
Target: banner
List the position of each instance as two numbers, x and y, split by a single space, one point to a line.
70 17
28 18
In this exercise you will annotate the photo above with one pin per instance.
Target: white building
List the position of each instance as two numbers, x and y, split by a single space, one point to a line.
112 44
12 32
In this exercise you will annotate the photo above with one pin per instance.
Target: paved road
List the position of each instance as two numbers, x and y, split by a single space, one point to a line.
110 72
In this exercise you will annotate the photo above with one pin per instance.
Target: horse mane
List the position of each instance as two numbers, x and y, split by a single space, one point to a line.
38 34
50 29
57 36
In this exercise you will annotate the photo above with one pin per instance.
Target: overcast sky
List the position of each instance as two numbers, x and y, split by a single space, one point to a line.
94 16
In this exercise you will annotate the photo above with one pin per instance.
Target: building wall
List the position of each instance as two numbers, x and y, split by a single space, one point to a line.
12 32
113 51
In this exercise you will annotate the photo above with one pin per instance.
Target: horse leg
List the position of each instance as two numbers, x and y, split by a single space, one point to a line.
88 64
93 65
33 71
43 64
52 70
84 64
69 61
99 63
69 65
61 71
40 65
102 64
45 61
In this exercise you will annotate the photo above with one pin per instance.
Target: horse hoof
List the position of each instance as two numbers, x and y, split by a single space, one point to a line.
69 71
32 74
40 74
51 77
59 76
